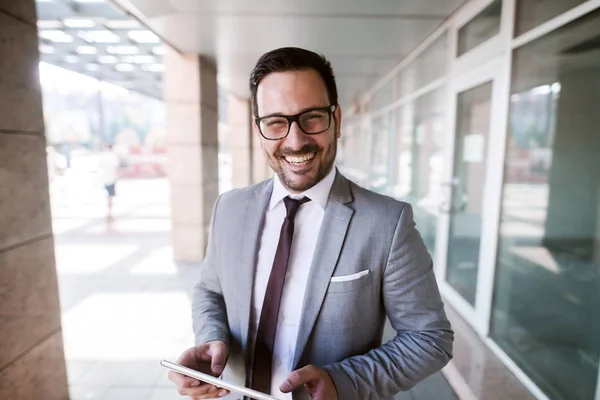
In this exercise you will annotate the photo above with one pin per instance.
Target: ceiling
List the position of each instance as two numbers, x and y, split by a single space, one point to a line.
99 40
364 39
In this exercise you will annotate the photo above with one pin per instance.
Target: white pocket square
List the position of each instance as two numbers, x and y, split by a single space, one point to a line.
346 278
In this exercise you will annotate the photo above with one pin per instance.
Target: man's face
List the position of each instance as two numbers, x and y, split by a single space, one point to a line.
300 160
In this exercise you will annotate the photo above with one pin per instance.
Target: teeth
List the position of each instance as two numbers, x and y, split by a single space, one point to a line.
300 159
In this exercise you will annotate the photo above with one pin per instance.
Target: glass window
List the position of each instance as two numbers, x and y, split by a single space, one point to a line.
378 173
383 97
428 67
533 13
353 158
480 29
547 288
418 165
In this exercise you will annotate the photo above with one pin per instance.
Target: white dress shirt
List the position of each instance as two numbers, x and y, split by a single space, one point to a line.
307 225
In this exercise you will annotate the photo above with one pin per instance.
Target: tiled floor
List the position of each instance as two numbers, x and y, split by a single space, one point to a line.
125 303
483 372
433 388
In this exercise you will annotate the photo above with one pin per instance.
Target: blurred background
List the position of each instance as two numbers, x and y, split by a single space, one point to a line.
483 114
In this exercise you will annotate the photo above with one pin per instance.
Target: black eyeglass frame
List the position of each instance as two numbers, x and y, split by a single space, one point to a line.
296 118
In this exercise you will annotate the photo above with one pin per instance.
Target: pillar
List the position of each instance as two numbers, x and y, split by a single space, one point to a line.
32 363
190 88
240 140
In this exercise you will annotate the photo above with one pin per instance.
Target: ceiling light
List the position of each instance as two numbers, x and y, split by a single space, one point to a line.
144 37
72 59
139 59
122 50
153 67
92 67
89 1
122 24
49 24
99 37
124 67
159 50
45 49
107 59
79 23
87 50
56 36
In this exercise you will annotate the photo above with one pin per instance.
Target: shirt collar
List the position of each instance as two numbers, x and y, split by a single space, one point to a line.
319 193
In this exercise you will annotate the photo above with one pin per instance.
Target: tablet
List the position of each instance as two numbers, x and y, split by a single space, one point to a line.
216 381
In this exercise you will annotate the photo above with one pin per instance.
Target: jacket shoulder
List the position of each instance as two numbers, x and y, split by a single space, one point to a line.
239 196
375 202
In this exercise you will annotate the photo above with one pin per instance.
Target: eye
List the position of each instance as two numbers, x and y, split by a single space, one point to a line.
274 122
314 116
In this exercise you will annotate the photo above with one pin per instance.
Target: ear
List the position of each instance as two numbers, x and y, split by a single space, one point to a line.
338 119
255 128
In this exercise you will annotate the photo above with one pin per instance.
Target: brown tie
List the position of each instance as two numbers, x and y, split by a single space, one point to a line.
267 326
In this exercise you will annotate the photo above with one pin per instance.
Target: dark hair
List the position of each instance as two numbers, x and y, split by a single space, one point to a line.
292 59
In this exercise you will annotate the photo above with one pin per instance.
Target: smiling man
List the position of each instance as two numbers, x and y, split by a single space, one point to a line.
302 270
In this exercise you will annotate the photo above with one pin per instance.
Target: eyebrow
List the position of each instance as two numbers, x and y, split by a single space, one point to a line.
278 114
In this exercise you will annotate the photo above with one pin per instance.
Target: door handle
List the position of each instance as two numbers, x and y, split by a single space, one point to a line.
446 207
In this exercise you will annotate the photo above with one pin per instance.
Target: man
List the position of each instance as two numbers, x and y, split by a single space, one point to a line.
301 270
108 164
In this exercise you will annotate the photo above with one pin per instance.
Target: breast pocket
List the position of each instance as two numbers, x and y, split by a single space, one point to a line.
349 283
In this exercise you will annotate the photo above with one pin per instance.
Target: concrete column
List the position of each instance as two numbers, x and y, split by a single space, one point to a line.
574 186
240 140
32 363
192 125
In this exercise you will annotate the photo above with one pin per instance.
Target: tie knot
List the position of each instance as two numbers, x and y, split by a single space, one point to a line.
292 205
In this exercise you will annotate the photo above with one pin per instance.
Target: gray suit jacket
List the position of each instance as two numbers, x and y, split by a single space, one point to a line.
342 322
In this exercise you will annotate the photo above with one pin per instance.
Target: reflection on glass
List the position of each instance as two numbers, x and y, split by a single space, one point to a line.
483 27
378 173
469 176
546 310
533 13
423 70
418 163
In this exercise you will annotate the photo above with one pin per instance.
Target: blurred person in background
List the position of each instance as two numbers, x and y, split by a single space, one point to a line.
109 164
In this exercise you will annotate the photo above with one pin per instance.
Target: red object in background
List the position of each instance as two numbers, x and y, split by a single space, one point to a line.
145 162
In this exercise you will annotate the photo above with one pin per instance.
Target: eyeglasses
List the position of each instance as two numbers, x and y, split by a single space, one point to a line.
311 122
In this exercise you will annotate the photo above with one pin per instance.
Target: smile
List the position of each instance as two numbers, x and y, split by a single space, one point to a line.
300 160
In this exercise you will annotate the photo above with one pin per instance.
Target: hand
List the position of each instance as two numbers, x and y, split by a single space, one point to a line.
317 381
209 358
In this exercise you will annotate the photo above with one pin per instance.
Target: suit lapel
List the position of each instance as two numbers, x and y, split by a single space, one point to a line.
329 245
250 235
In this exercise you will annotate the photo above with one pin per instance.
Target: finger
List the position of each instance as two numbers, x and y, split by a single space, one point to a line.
182 380
298 378
215 394
200 391
218 359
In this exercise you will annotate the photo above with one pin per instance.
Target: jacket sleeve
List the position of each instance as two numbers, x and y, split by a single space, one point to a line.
209 315
423 341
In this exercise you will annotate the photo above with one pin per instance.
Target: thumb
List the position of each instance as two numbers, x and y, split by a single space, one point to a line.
298 378
218 358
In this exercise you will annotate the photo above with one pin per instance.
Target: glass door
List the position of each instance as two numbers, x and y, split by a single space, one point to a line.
468 209
465 209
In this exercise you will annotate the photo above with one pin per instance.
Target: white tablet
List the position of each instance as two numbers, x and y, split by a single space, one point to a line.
216 381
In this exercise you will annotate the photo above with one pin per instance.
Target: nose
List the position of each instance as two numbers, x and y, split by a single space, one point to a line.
296 138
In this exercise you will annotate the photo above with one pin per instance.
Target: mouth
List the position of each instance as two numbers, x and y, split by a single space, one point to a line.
302 160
